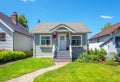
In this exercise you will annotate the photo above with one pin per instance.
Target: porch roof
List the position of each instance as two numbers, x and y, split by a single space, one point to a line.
75 27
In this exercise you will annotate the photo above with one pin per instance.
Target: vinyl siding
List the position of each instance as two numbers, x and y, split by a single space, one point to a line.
8 44
40 51
22 42
47 51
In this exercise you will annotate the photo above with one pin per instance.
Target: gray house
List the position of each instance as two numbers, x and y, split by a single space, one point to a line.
61 41
13 36
108 39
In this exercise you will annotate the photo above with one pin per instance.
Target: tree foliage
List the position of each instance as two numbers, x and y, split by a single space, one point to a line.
107 25
23 20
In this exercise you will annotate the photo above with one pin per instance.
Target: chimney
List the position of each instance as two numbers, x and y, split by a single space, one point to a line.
14 17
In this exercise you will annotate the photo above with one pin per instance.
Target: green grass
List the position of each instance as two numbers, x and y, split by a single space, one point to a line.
21 67
82 72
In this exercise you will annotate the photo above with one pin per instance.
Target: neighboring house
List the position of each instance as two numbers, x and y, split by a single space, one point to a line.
108 39
59 40
13 36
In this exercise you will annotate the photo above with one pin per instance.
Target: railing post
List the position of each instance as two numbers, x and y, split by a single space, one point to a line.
70 50
53 50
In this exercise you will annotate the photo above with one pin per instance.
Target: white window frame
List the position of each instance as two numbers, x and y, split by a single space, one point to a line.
46 45
71 40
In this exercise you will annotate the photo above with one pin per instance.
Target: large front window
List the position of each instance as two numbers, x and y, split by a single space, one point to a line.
76 40
2 37
45 40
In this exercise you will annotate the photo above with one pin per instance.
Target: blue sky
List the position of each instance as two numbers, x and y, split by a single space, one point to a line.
93 13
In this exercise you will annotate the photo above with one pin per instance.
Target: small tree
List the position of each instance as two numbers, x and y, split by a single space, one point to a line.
23 20
107 25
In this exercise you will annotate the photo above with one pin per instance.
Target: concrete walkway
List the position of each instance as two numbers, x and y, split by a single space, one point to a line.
30 76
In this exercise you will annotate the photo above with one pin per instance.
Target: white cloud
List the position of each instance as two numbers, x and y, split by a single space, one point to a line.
28 0
24 0
32 0
106 17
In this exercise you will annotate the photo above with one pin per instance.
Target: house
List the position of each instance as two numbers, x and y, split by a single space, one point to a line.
13 36
108 39
59 40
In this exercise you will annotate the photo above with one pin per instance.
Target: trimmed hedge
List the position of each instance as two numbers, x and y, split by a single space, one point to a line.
6 56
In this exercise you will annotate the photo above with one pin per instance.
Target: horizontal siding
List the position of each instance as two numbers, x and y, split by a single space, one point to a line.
8 44
42 51
22 42
47 51
76 51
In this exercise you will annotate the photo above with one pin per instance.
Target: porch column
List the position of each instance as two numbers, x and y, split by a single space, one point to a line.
69 38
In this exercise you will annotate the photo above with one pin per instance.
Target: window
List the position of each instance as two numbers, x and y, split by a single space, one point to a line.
2 37
76 40
98 40
45 40
117 41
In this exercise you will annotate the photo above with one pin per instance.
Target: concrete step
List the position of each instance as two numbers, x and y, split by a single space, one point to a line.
63 60
63 57
63 53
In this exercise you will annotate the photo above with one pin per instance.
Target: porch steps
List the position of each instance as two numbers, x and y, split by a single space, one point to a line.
62 56
62 60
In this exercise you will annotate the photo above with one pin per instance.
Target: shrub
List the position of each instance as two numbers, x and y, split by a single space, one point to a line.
110 61
29 53
116 56
83 58
93 56
6 56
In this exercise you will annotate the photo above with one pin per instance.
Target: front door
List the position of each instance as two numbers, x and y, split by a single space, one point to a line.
62 41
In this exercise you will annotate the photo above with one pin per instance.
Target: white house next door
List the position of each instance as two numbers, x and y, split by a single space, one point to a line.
62 41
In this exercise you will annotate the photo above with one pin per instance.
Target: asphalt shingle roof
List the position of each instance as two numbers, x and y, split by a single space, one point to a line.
46 27
107 31
16 27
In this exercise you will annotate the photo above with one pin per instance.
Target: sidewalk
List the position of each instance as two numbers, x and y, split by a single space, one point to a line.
30 76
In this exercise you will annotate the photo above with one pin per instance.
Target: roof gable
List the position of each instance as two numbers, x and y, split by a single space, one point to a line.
62 26
12 26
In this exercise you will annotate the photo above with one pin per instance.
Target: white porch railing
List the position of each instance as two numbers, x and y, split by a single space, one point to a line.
70 50
53 50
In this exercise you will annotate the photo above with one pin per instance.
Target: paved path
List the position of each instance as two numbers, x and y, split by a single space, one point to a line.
30 76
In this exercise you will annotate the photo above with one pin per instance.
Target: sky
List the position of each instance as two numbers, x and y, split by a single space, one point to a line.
93 13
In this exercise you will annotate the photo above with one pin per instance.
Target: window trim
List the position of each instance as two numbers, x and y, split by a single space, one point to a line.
71 40
46 45
5 37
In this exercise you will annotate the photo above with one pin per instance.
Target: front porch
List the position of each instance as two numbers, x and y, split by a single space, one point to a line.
61 49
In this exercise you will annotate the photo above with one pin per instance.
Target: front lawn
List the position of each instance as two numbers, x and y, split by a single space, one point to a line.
24 66
82 72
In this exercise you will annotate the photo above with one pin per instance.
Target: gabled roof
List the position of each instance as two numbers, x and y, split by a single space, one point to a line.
62 25
107 31
15 27
47 27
